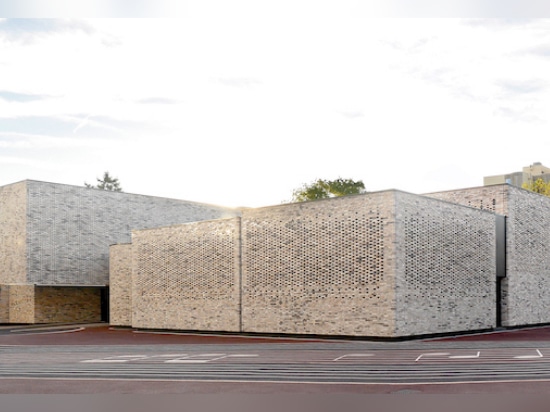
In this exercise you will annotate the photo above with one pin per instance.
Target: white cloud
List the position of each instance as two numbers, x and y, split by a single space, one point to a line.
240 110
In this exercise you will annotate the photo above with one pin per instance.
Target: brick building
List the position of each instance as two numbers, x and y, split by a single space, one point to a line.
386 264
54 246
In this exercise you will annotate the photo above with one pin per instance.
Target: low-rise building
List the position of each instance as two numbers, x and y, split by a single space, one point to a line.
54 246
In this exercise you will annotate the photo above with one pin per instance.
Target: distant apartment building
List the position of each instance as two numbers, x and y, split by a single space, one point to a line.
529 173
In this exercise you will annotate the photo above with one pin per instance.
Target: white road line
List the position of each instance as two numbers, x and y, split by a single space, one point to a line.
193 359
432 354
465 356
196 358
244 355
530 356
354 355
171 355
116 359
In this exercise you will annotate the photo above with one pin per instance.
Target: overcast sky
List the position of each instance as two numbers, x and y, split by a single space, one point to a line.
236 103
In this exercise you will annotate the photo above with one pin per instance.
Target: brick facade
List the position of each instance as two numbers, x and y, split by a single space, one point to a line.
187 276
120 284
384 264
324 267
13 233
70 228
526 289
67 304
59 235
446 267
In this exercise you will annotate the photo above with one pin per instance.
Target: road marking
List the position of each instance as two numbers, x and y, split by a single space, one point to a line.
171 355
193 359
530 356
353 355
432 354
173 358
244 355
116 359
465 356
196 358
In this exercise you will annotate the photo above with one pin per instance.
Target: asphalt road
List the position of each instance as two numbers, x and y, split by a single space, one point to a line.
97 359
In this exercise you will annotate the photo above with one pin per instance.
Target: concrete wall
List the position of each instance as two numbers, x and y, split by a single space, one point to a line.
323 267
446 278
70 228
13 232
120 285
187 276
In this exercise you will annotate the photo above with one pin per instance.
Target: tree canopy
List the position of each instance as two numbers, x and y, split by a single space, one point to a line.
538 186
106 183
323 189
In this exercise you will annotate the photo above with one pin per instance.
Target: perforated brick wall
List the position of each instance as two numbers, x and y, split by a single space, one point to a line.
446 278
526 288
528 259
385 264
187 276
120 284
13 221
70 228
324 267
491 198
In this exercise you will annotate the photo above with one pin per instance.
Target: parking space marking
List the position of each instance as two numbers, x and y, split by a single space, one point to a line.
353 355
213 357
539 355
465 356
197 358
171 358
432 354
116 359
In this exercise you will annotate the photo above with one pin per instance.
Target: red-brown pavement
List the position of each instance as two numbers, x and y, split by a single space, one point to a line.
106 335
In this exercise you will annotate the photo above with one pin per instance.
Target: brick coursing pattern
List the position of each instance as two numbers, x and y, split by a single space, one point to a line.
323 267
446 267
21 301
493 198
526 288
384 264
13 219
4 303
187 276
528 257
120 284
67 304
70 228
59 235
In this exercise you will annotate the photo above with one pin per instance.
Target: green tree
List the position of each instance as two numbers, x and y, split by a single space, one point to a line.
106 183
537 186
323 189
